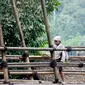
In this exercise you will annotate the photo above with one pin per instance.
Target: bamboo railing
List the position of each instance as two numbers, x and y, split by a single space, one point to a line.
38 57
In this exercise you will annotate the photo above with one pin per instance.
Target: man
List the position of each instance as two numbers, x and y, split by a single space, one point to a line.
60 56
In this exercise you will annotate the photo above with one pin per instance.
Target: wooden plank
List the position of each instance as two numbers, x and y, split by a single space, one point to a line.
35 82
45 64
45 70
41 57
3 55
26 81
44 73
41 49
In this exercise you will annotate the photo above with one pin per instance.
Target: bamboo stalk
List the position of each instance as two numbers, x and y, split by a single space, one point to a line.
44 73
18 57
19 27
45 64
18 23
41 49
20 31
27 82
75 46
3 54
46 70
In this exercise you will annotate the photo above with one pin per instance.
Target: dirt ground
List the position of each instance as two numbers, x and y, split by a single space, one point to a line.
68 78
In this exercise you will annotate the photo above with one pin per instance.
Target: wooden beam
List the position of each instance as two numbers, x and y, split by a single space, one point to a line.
42 49
56 73
44 73
45 57
46 64
79 71
26 59
21 82
3 55
25 82
18 23
19 28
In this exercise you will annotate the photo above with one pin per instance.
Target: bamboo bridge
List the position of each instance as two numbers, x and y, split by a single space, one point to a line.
5 66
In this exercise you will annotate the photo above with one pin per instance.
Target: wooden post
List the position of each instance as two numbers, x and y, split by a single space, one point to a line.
3 54
20 31
18 23
56 73
19 27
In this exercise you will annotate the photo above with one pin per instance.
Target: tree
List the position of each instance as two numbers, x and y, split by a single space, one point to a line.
30 15
69 19
52 5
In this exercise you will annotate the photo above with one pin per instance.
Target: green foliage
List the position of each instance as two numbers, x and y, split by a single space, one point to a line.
31 19
8 24
74 41
32 22
51 5
68 21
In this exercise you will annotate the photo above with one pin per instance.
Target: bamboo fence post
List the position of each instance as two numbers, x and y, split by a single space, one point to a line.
18 23
19 27
20 31
56 73
3 54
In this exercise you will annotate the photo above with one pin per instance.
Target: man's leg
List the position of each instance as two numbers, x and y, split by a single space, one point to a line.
61 73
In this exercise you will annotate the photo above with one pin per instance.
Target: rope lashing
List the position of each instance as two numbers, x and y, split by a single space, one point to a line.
3 64
35 76
24 56
69 49
80 65
4 50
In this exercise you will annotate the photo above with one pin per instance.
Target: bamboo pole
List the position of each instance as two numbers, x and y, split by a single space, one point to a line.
40 57
27 82
75 46
18 23
3 54
42 49
34 82
44 73
56 73
18 57
19 27
45 70
20 32
47 64
46 22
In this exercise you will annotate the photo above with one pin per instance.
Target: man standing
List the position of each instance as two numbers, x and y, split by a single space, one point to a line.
60 56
